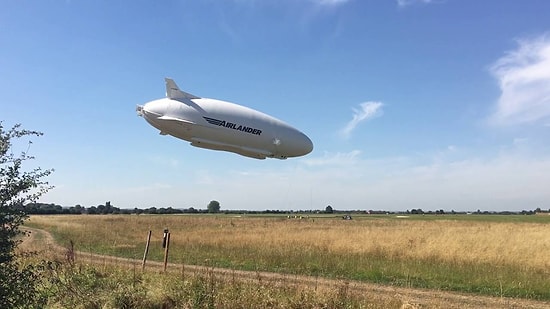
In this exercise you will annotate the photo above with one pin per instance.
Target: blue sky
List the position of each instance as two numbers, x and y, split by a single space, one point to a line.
410 103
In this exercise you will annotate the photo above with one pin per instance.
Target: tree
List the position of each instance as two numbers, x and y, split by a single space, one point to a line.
18 187
213 207
329 209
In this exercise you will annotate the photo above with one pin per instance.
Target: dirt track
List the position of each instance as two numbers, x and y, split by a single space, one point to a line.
410 298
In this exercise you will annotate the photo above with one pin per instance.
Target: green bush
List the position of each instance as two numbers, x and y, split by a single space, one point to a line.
17 188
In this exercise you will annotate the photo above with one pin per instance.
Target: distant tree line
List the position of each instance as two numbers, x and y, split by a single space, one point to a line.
53 209
214 207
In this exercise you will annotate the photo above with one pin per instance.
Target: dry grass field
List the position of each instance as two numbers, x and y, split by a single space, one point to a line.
497 258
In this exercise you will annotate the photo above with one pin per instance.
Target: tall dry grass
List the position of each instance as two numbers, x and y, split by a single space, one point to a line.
486 257
523 244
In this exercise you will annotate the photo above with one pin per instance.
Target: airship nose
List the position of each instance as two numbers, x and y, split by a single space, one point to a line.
155 108
307 145
300 145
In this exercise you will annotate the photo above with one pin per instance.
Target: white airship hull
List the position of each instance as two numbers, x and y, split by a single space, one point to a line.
220 125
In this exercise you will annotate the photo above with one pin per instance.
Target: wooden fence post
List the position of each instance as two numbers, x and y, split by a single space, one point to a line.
146 251
166 251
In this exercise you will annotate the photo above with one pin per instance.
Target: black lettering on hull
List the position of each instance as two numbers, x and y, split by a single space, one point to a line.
234 126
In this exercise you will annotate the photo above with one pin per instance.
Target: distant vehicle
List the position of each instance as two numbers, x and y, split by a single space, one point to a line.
220 125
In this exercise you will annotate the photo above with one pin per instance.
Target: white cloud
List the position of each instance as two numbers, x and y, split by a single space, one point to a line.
319 2
514 178
524 79
203 177
511 180
338 158
164 161
404 3
330 2
150 187
368 111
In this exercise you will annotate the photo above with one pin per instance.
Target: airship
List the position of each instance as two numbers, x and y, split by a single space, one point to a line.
224 126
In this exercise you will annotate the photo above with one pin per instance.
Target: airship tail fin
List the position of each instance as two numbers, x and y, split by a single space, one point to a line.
173 92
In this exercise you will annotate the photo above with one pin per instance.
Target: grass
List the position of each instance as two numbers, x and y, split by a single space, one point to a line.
86 286
501 256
